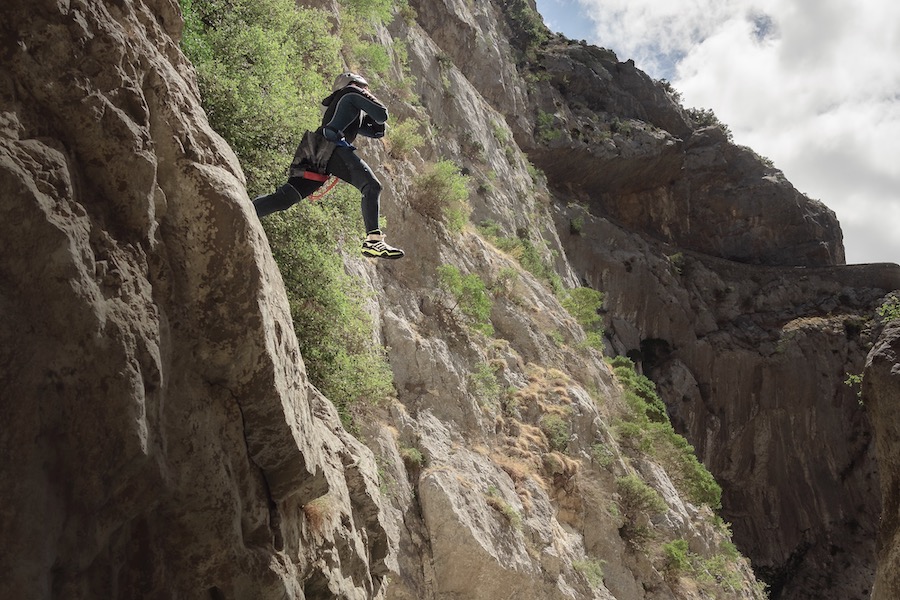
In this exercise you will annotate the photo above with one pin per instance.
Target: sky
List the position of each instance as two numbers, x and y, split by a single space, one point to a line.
814 85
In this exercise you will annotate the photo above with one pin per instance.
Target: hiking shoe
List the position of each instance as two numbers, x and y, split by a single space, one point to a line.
375 247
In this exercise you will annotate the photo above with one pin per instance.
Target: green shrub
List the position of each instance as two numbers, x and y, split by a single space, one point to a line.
677 261
636 497
592 569
469 294
557 431
373 11
676 556
361 52
501 133
496 501
522 249
602 455
263 66
855 380
890 310
719 572
412 458
647 427
333 329
546 130
639 502
484 384
576 225
442 193
404 138
642 398
372 59
674 94
634 435
696 480
584 305
529 31
705 117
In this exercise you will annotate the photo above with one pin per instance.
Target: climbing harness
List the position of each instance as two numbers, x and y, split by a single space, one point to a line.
310 161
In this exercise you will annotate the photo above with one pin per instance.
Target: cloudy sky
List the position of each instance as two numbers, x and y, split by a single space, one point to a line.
813 85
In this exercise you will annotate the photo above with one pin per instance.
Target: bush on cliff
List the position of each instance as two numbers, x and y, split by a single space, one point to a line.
648 427
263 66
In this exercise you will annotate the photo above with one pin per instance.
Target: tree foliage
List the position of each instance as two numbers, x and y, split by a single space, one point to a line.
263 66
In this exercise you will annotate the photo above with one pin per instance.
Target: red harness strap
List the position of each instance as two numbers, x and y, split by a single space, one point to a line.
314 176
320 193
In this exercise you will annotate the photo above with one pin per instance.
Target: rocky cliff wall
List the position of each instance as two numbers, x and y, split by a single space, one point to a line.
751 360
752 363
160 438
166 442
881 389
616 140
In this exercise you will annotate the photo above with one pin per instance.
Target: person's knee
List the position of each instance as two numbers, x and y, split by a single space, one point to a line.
290 194
372 188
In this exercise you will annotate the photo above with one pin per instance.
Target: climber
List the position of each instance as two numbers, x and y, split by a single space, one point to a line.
351 110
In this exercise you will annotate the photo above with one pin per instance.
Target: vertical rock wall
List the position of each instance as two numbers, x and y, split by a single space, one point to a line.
159 438
881 390
751 362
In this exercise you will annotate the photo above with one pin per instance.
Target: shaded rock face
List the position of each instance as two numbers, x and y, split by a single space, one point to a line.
881 390
160 437
614 139
751 363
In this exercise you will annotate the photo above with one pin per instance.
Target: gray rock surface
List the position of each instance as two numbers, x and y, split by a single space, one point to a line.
159 437
881 390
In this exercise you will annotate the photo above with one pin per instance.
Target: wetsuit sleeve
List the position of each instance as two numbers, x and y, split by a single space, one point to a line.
346 113
370 105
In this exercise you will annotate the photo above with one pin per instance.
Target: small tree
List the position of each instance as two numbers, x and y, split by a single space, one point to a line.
705 117
470 295
442 193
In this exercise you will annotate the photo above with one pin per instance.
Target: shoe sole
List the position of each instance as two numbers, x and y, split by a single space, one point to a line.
371 254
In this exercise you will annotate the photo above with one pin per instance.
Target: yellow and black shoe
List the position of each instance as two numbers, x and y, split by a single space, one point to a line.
375 247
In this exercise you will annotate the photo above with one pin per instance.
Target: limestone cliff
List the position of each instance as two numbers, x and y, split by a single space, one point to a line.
881 390
161 439
159 436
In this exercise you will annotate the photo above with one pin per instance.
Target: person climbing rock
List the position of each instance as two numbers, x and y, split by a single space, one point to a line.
350 110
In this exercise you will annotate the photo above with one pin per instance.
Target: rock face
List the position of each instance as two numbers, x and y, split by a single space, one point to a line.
881 390
609 136
160 438
750 359
751 362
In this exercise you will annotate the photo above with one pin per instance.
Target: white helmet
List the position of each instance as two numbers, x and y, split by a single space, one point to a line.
345 79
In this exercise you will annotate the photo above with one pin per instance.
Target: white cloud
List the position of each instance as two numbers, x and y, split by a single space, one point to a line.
812 84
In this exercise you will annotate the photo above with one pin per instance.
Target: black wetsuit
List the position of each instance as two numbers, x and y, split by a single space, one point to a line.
351 111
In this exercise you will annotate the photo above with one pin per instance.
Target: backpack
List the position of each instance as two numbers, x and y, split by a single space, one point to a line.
313 153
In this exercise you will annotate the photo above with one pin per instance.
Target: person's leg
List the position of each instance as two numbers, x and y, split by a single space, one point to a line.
346 165
285 197
349 167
